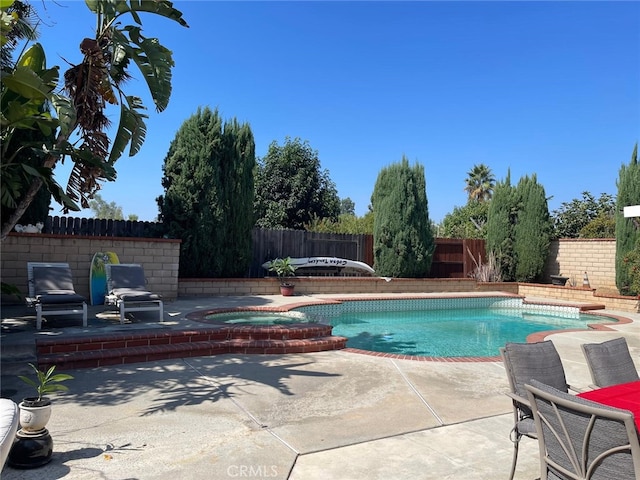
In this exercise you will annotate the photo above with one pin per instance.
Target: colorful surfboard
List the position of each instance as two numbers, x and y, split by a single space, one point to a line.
98 275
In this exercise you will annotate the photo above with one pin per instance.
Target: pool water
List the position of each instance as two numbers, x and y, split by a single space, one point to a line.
259 318
448 332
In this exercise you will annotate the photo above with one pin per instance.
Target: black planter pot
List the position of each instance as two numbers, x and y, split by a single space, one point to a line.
31 450
558 280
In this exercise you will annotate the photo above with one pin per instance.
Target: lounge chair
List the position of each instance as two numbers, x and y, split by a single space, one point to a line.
51 291
524 362
127 290
583 440
610 362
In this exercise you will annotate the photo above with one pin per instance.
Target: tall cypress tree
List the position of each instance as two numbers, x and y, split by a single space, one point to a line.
501 219
402 236
627 234
532 232
208 195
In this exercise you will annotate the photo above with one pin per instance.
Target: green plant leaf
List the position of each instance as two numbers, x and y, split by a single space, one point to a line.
65 112
110 9
27 83
46 382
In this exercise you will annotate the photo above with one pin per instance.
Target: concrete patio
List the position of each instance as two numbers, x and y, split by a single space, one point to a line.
328 415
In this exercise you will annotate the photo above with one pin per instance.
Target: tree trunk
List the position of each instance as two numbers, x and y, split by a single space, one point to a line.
21 208
28 197
49 162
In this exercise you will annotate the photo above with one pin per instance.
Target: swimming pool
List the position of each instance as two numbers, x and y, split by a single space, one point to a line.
450 328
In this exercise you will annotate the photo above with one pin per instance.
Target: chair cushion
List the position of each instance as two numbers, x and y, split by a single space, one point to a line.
527 426
135 295
52 279
9 423
60 297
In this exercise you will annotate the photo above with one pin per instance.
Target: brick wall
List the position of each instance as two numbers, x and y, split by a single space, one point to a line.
572 257
159 257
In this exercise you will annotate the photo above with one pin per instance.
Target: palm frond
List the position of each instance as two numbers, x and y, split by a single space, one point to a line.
155 62
131 129
111 10
88 170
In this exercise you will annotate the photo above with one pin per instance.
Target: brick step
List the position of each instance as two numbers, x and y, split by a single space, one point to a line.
142 338
149 353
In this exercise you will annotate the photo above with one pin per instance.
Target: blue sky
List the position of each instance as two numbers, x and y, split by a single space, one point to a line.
545 88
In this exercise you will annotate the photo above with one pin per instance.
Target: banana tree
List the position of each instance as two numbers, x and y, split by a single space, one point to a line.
29 99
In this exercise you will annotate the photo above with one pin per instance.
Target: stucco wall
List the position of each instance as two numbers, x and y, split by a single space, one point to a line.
159 257
572 257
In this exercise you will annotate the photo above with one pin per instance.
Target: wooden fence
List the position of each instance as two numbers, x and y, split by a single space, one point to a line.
99 227
270 244
453 258
457 257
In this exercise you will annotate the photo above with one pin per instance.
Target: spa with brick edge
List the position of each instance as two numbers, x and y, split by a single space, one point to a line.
151 345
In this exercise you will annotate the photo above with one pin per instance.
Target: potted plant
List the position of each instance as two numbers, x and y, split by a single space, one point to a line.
284 269
36 411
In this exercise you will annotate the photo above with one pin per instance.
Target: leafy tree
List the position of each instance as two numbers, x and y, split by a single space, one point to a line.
501 220
632 262
208 195
346 224
402 237
110 211
347 206
469 221
480 183
38 210
291 190
532 232
572 217
30 100
627 231
603 226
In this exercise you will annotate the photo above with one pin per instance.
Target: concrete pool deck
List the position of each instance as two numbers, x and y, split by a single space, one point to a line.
328 415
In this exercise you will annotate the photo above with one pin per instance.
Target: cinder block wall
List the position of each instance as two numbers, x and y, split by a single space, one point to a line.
160 259
208 287
572 257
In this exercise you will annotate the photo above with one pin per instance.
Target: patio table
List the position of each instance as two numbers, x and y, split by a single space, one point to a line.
624 395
